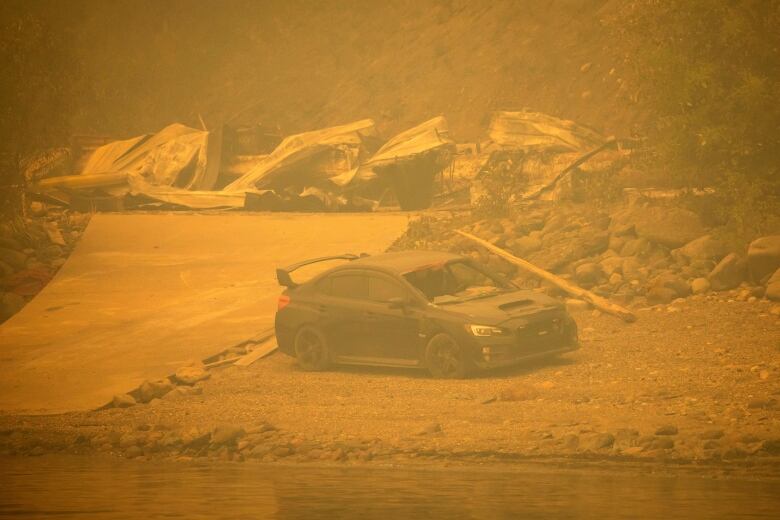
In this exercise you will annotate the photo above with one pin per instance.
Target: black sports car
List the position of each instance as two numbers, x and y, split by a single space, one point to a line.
425 309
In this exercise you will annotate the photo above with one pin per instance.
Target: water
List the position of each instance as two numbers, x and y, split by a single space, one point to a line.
97 488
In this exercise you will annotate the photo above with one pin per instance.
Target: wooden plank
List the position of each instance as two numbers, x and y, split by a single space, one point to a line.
595 300
260 351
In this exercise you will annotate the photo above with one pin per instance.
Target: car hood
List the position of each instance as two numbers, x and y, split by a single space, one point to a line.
495 310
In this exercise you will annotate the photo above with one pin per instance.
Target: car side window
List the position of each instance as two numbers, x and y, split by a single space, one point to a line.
353 286
384 290
324 286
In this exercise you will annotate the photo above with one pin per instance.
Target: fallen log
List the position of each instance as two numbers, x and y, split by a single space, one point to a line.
595 300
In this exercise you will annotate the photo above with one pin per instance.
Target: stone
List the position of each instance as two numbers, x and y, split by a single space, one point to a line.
667 429
190 375
728 274
602 441
672 281
615 279
711 435
666 225
706 248
632 268
661 443
588 273
154 389
763 257
123 401
660 295
524 245
610 265
635 247
773 287
226 435
771 446
700 286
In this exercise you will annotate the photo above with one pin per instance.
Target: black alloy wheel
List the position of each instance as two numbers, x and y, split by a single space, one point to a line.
445 358
311 349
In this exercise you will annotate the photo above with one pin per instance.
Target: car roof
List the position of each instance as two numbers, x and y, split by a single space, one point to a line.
401 262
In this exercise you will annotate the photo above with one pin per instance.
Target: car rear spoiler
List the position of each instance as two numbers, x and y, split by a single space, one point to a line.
283 274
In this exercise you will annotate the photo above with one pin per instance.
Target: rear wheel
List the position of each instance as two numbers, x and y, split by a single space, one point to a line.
311 349
446 359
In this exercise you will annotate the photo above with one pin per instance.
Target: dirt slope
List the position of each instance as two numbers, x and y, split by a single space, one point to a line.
296 66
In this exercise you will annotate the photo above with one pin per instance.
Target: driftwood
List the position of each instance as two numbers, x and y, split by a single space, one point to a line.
595 300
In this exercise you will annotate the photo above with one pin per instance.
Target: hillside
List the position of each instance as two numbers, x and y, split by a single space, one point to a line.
294 66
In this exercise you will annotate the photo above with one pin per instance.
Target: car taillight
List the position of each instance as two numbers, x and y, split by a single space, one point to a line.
284 300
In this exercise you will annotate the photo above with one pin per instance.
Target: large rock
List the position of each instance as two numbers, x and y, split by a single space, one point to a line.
773 287
190 375
658 294
763 257
226 434
703 248
728 274
666 225
524 245
612 264
588 273
675 283
700 286
154 389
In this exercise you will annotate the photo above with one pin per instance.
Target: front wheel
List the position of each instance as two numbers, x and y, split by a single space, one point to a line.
311 349
446 359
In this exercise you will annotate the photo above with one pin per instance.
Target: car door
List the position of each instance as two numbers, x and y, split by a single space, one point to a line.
393 333
342 297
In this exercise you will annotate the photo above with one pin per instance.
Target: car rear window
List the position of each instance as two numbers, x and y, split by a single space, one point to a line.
383 290
350 286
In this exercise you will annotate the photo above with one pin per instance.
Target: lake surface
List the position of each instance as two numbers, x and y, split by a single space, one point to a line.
96 488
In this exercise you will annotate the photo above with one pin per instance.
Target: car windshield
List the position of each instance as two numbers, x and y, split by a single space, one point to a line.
454 282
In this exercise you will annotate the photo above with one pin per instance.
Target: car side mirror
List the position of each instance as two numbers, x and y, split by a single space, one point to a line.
398 303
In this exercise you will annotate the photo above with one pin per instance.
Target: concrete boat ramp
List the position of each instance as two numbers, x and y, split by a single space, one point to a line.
144 294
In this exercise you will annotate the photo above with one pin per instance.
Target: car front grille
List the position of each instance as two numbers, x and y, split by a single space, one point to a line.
542 334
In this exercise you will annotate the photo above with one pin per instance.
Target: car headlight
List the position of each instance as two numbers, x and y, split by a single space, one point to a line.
485 330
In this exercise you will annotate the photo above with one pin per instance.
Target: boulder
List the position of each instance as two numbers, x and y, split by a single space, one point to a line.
672 281
524 245
657 295
123 401
612 264
667 225
226 434
154 389
635 247
700 286
632 268
190 375
728 274
703 248
588 273
773 287
763 257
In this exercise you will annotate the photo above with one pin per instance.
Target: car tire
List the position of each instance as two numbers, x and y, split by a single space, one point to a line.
311 349
445 358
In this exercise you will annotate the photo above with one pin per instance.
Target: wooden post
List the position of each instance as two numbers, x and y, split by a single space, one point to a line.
595 300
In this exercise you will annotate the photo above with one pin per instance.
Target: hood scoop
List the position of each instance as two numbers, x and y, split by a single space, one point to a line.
515 304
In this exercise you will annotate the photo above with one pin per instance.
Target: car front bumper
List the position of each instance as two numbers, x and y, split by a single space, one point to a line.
512 355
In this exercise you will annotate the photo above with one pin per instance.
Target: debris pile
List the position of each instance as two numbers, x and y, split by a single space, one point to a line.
339 168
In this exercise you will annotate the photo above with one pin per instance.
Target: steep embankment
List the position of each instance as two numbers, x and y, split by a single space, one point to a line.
294 66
